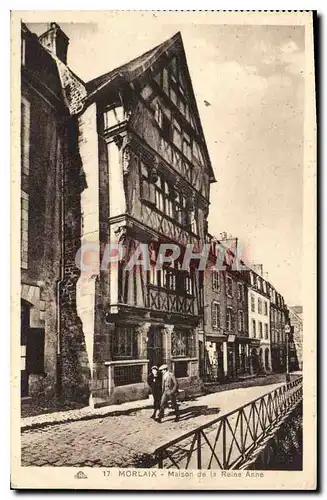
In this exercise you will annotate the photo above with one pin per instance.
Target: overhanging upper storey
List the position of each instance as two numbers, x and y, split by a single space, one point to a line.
161 78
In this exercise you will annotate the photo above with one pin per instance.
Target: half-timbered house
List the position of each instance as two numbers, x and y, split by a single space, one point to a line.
153 175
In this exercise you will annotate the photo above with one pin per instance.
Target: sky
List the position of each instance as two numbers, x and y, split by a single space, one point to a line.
249 85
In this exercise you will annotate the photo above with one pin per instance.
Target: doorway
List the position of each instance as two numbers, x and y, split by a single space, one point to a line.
31 348
154 347
24 330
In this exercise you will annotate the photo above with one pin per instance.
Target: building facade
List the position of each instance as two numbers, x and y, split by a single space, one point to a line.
147 175
226 337
45 142
277 329
296 320
259 322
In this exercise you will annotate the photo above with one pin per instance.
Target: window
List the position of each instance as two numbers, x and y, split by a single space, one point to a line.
254 328
215 280
264 285
229 286
240 291
240 321
260 330
113 116
161 194
252 279
266 330
170 279
177 135
179 343
215 315
258 283
124 343
266 308
229 318
188 284
259 306
252 303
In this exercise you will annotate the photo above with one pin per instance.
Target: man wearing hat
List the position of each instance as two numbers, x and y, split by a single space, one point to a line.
155 383
169 390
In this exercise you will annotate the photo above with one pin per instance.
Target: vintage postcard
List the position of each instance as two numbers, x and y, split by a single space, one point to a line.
163 242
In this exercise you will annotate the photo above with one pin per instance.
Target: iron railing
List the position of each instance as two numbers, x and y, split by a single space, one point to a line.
228 441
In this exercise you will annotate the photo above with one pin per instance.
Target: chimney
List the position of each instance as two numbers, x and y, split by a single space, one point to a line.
55 40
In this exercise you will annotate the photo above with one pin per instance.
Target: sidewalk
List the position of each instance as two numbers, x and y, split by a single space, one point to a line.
121 436
87 413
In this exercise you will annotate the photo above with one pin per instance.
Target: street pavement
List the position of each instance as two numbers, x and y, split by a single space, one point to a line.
127 436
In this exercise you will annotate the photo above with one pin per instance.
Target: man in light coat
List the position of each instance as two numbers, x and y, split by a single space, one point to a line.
169 392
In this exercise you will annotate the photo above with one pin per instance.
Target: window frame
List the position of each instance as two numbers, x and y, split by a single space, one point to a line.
229 286
215 315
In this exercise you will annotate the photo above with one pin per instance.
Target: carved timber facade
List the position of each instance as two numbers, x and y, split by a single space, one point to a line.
154 177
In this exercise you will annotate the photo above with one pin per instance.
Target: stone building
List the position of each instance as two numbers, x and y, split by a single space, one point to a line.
226 344
293 317
277 330
296 320
46 146
259 320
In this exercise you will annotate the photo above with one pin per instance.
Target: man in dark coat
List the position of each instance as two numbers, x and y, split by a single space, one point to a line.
155 383
169 392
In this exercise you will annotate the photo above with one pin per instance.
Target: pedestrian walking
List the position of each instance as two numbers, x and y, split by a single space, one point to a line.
155 384
169 392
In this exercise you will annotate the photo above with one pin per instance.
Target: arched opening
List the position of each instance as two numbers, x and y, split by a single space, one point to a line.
267 359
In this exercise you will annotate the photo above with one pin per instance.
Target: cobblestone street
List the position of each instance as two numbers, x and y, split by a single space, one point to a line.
126 437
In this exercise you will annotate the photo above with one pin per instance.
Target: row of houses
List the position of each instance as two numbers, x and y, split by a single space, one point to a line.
243 332
122 160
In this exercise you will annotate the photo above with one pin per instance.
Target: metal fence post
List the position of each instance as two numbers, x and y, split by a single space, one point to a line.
199 450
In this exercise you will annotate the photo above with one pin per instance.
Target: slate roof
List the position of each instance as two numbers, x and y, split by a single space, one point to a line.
136 67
